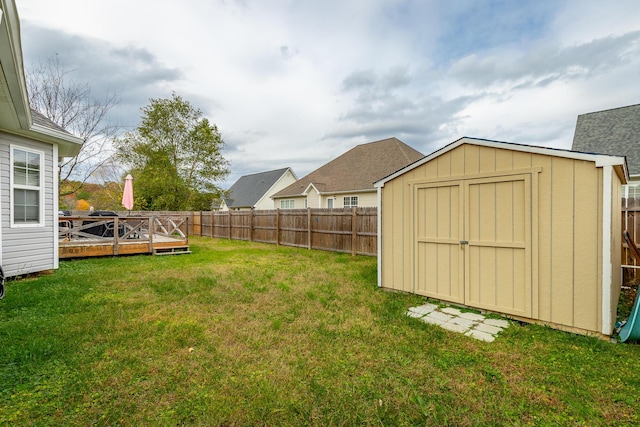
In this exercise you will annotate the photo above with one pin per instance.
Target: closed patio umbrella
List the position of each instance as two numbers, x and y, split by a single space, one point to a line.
127 195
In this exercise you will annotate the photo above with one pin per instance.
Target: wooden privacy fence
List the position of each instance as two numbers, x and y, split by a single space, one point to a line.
631 223
351 230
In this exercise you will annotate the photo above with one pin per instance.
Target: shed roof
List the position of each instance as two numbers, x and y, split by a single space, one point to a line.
249 189
599 159
615 132
357 169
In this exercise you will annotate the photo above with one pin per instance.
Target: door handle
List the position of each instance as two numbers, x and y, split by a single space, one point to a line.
464 242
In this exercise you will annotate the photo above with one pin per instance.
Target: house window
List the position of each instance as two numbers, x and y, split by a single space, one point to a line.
287 204
26 186
631 191
351 201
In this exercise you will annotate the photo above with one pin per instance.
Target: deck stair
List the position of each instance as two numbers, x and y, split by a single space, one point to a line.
171 250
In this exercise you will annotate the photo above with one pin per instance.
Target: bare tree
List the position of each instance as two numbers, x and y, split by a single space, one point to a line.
69 104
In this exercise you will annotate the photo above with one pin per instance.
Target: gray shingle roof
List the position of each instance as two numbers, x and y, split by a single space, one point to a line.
615 132
42 120
248 189
357 169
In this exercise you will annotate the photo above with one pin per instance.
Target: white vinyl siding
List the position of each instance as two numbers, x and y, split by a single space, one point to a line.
28 248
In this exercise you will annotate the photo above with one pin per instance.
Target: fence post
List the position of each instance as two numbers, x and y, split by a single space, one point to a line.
229 223
278 227
309 228
251 225
354 230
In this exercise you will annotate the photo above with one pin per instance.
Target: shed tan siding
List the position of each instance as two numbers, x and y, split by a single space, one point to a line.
566 227
616 242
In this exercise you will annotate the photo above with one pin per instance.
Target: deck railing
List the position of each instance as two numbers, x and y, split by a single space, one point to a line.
118 230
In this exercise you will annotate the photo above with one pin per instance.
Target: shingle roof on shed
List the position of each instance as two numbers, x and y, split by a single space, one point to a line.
249 189
357 169
614 132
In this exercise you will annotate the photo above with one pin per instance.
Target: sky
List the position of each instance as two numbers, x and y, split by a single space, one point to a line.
298 83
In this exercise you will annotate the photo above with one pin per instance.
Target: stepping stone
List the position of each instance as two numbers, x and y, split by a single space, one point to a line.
479 335
463 322
472 316
432 321
500 323
483 327
451 310
438 315
414 315
454 327
423 309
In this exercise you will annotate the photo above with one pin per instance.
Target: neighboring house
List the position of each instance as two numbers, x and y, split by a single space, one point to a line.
30 148
614 132
347 181
255 191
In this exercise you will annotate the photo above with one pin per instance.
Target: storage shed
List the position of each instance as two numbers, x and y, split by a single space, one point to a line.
530 232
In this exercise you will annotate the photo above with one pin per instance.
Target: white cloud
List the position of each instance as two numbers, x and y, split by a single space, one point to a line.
297 83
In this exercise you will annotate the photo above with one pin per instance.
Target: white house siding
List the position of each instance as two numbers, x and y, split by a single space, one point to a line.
365 200
27 249
266 202
313 199
298 202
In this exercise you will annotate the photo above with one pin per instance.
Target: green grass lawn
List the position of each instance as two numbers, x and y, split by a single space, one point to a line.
241 333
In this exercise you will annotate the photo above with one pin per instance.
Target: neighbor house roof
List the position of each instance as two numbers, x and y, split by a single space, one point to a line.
247 191
357 169
614 132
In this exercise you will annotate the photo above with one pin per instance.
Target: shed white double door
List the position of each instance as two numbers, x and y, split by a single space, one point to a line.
473 242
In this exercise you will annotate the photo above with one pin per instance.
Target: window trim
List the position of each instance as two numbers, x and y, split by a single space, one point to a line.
13 186
284 202
351 198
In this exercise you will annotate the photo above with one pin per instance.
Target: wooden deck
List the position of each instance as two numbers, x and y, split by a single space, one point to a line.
81 237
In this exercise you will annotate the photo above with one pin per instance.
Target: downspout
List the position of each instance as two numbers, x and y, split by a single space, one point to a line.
56 208
379 237
607 326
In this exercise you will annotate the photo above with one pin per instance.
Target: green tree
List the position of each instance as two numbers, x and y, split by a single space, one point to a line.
175 156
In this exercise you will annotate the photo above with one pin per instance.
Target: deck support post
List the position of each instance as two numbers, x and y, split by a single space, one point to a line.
115 236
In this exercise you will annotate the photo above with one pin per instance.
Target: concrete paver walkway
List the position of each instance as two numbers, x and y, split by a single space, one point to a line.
471 324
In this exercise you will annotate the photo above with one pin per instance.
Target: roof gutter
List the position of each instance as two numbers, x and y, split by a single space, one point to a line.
12 64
